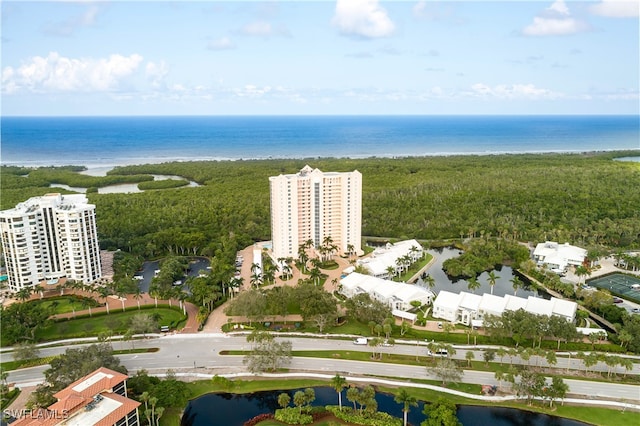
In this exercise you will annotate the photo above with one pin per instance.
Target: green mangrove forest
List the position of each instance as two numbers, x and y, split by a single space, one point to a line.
588 199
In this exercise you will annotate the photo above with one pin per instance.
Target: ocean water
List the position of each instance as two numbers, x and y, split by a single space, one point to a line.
103 141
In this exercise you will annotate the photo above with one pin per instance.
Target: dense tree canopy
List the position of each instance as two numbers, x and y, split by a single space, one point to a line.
20 321
72 365
588 199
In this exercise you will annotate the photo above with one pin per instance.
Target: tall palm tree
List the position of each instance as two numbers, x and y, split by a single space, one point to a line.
391 271
516 284
400 264
104 293
303 258
137 294
430 281
315 275
350 249
153 292
255 279
473 284
338 383
403 397
492 279
24 294
414 251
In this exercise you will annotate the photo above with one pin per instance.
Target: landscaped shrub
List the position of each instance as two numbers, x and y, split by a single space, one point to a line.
375 419
293 416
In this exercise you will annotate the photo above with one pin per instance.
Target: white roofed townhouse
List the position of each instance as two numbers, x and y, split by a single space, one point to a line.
558 257
313 205
464 308
392 256
50 237
398 296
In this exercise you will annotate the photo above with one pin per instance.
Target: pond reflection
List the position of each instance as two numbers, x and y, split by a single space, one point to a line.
227 409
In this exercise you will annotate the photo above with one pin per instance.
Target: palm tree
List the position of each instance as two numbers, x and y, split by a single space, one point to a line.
86 302
24 294
338 383
303 258
516 284
492 279
473 284
581 271
104 292
255 279
153 292
315 275
400 265
235 283
268 275
414 250
407 400
137 294
350 249
391 271
430 281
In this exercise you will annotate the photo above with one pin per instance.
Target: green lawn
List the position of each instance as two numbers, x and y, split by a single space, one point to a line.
413 269
117 322
64 304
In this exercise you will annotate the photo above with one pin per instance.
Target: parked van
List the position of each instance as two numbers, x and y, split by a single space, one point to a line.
440 353
361 341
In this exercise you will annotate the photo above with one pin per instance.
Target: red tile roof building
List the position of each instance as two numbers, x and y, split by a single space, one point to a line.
98 399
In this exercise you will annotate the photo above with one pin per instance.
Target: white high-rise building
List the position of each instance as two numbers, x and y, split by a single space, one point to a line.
50 237
312 205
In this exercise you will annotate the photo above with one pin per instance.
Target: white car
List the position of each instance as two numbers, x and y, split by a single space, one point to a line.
361 341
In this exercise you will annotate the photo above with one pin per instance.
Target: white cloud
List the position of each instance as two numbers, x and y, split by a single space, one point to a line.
555 20
55 73
554 26
156 73
362 18
559 7
252 91
512 91
223 43
616 8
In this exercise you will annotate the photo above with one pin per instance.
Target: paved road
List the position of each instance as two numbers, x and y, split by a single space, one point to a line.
200 353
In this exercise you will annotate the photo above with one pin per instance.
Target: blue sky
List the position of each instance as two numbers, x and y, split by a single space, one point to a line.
322 57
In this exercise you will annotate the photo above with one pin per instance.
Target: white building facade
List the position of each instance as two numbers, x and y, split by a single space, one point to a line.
558 257
50 237
467 308
398 296
313 205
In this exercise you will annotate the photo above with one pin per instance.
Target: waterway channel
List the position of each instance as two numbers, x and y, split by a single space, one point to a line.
503 283
227 409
